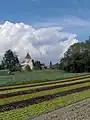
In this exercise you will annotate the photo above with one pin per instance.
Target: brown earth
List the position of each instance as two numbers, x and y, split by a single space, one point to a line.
40 89
36 100
73 78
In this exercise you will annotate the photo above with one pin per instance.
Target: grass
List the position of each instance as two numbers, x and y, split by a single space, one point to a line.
37 109
29 88
32 77
28 96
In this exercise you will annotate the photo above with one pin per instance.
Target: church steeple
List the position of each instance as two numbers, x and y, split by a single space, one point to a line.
28 56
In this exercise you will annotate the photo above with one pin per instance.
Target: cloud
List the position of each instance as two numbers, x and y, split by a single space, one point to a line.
44 44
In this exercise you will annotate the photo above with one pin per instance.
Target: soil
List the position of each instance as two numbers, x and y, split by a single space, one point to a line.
49 82
40 89
36 100
76 111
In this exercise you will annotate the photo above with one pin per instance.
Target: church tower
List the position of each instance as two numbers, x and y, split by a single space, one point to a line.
27 62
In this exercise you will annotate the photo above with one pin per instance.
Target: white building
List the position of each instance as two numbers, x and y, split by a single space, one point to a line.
27 62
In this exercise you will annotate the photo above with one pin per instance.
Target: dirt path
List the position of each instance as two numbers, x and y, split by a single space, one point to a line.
77 111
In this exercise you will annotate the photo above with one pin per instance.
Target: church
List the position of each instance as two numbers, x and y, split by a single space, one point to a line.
27 62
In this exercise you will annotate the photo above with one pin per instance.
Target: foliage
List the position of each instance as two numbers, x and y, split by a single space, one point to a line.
37 65
33 62
77 58
41 93
10 61
50 66
40 86
33 77
43 107
56 66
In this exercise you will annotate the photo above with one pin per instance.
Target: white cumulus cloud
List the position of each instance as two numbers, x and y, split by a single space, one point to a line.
44 44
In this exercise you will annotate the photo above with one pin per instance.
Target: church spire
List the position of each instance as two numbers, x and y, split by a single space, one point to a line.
28 56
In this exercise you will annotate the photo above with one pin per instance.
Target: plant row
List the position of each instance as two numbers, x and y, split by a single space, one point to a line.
41 89
36 100
41 93
45 83
43 107
48 85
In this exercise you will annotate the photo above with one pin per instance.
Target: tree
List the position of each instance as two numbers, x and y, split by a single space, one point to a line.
33 62
77 58
37 65
56 66
11 61
50 66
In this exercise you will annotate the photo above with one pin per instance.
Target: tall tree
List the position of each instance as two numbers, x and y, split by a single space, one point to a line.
77 58
50 66
11 61
37 65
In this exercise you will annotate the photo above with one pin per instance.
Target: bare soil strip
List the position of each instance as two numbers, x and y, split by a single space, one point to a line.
39 89
50 82
36 100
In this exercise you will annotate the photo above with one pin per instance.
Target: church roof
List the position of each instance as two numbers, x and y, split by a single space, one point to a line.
28 56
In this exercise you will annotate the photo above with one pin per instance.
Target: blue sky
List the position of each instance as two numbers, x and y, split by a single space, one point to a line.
72 15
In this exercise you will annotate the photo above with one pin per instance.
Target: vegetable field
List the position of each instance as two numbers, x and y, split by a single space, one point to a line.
25 101
31 77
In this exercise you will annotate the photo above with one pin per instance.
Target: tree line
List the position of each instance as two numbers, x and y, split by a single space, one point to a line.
11 62
77 58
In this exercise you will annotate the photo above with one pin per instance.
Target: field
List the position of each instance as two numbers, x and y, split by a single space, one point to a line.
21 100
31 77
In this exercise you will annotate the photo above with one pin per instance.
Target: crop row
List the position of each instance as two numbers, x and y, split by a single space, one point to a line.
43 107
42 84
29 88
40 89
2 88
36 100
28 96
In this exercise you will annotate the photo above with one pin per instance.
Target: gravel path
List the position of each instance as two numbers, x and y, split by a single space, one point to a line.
77 111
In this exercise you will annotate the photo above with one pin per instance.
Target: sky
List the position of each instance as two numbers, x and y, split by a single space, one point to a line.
34 22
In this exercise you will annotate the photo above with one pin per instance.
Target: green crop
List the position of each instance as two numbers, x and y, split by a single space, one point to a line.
28 88
48 92
37 109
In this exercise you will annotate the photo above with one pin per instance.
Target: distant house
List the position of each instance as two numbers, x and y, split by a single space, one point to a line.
27 62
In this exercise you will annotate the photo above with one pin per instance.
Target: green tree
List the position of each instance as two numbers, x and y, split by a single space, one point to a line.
77 58
56 66
11 61
50 66
37 65
33 62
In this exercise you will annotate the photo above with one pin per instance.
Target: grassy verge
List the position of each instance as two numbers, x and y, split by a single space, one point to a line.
29 88
37 109
42 93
